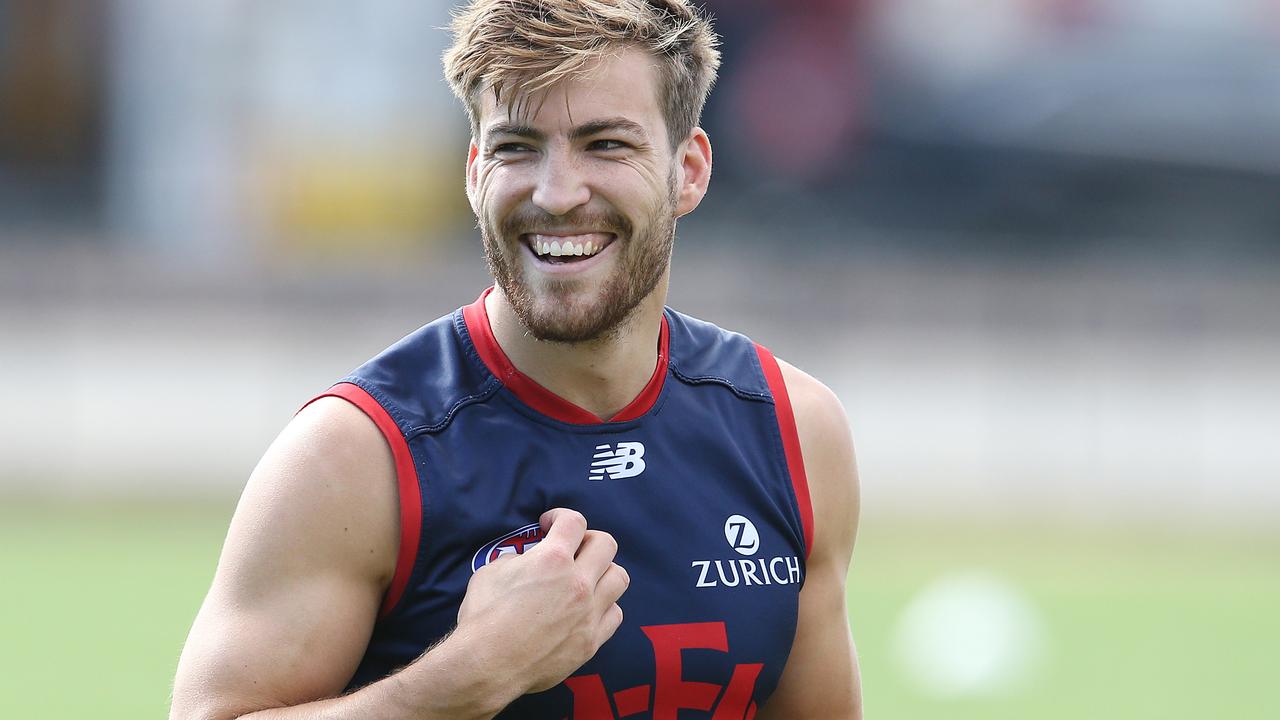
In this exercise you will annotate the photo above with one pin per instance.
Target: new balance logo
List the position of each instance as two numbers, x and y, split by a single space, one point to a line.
624 462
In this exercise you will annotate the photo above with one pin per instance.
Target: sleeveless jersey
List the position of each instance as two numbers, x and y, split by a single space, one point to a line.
699 479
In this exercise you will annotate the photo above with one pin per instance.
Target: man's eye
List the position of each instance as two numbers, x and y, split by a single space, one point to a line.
510 148
607 145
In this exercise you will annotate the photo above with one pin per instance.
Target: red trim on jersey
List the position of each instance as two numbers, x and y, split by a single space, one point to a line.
790 441
406 480
542 399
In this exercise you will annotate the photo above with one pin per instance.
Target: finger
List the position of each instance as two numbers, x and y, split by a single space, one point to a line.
563 528
596 552
608 625
612 584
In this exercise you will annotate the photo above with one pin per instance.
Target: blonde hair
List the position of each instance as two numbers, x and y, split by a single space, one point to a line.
518 47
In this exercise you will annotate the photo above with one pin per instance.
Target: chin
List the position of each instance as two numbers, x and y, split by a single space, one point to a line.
568 317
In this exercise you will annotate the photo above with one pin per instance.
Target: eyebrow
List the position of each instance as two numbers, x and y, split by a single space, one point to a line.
595 127
588 129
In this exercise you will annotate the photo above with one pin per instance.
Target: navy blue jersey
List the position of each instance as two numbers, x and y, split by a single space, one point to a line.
699 479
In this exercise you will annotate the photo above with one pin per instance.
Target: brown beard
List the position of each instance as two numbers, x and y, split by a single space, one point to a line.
640 268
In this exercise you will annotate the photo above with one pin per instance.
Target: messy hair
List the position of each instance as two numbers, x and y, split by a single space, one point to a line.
513 48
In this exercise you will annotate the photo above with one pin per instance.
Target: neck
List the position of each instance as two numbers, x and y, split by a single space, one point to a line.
600 376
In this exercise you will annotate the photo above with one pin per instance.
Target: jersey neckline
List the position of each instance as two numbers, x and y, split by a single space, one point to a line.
526 389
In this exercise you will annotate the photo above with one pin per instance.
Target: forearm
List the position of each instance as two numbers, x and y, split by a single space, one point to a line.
443 684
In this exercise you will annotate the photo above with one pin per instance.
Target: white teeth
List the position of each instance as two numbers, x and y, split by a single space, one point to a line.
564 247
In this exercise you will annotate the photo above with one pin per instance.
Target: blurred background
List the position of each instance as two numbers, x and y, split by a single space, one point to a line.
1034 246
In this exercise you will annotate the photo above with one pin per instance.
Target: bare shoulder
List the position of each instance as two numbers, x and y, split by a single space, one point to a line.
310 551
826 444
328 479
818 411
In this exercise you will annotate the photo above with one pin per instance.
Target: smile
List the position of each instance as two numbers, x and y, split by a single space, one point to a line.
567 248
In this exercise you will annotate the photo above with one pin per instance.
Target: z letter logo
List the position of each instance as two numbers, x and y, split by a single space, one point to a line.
624 462
741 534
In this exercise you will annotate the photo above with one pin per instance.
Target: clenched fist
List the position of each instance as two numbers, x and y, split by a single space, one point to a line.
544 613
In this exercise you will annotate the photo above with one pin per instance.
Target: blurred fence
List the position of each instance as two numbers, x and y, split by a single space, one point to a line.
1089 393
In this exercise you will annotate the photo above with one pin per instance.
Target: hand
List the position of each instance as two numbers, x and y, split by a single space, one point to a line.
540 615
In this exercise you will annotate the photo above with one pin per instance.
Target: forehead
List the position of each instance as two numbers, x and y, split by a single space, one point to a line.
624 85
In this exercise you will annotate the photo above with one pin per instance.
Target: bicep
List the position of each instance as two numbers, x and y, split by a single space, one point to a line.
307 558
821 679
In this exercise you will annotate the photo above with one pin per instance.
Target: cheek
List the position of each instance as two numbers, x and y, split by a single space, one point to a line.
657 181
495 189
637 171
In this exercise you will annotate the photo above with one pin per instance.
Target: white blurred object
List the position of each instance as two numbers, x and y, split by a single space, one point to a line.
953 43
1190 82
969 633
1200 18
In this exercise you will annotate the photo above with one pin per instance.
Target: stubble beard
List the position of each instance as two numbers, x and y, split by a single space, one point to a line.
562 314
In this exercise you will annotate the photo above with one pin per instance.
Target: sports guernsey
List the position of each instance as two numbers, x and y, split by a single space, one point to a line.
699 479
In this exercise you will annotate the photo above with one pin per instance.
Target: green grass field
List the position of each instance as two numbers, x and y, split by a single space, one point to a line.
1140 626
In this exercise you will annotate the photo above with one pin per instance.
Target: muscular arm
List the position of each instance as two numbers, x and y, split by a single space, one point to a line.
821 678
309 554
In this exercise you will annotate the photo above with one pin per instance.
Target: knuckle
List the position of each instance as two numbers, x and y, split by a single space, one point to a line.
556 554
579 589
604 538
575 517
610 621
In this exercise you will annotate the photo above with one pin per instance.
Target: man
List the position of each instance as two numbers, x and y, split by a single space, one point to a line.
450 531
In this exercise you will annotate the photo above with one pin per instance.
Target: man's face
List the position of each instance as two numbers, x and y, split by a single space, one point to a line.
576 198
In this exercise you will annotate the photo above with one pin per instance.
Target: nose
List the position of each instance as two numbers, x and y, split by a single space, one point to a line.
561 186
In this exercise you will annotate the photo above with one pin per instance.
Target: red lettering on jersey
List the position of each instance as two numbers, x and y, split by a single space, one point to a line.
736 699
632 701
671 692
590 702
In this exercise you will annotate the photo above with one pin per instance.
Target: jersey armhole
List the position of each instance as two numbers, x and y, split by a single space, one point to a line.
408 490
790 441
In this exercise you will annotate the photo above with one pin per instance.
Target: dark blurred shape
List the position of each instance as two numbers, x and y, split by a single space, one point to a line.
790 102
1043 129
51 108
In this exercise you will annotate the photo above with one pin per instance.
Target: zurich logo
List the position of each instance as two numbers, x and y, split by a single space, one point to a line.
516 542
750 571
742 535
627 460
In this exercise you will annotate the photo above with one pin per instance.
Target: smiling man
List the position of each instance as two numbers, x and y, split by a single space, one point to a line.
563 500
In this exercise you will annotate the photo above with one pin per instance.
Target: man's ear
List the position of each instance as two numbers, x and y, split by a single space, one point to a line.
473 152
695 171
